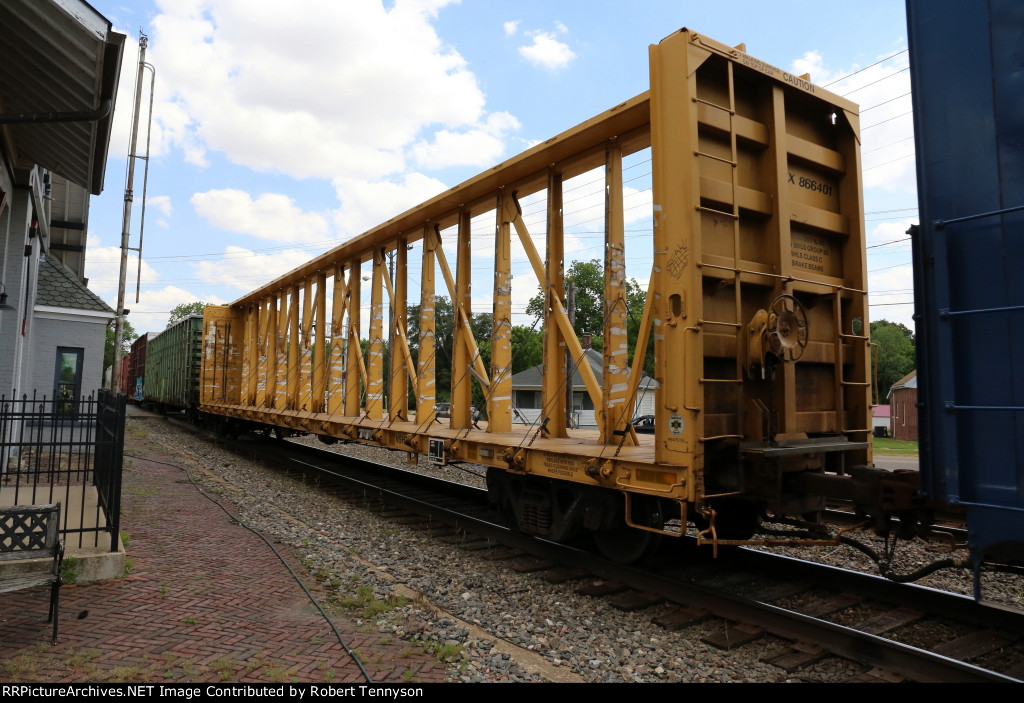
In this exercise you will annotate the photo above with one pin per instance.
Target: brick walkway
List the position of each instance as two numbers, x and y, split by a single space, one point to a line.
205 601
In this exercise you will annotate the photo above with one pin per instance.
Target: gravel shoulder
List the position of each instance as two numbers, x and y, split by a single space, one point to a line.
489 622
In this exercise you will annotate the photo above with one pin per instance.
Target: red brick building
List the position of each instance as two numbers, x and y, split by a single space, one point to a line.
903 402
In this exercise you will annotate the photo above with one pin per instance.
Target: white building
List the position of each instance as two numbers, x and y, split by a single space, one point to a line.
59 69
526 394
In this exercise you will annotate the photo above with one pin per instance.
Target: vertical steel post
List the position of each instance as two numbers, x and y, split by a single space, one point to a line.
375 364
354 351
336 381
426 362
294 362
553 382
678 337
462 389
499 400
319 345
398 394
618 411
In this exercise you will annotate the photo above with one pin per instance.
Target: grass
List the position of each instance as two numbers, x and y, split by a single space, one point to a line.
443 652
69 570
884 445
365 605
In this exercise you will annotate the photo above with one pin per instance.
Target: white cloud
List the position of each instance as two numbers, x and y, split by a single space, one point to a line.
246 270
326 89
482 146
270 216
103 268
812 63
162 205
547 52
511 27
365 205
887 128
150 314
155 301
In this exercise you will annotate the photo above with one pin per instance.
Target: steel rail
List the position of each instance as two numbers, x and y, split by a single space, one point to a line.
918 664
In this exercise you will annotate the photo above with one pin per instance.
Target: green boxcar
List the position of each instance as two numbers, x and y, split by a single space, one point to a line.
172 365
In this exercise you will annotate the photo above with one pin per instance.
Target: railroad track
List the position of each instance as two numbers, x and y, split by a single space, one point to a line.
815 611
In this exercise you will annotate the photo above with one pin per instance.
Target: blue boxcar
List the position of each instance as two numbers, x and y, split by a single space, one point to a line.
967 72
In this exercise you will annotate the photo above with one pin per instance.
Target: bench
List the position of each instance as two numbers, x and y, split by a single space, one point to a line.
31 532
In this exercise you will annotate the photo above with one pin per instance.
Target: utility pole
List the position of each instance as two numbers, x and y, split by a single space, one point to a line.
126 222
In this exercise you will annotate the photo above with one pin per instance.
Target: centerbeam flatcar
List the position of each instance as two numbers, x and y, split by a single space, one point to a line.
756 305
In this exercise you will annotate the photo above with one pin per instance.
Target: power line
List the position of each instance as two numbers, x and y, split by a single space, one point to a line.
861 70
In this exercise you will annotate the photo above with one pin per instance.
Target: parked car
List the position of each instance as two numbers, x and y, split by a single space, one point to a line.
644 424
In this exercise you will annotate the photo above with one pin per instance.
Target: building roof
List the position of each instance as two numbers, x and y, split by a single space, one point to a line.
530 379
58 81
59 288
908 381
881 411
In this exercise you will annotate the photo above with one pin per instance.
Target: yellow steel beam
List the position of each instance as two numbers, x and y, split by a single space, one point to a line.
465 350
402 368
678 342
336 380
615 361
499 399
320 345
553 382
294 364
355 371
375 361
264 342
464 345
425 384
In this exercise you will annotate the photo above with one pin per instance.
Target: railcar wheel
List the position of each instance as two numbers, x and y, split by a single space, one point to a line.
624 544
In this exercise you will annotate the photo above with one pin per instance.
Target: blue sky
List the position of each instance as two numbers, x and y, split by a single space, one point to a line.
282 129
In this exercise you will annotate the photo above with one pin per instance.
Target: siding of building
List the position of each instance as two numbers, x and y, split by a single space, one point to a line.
903 405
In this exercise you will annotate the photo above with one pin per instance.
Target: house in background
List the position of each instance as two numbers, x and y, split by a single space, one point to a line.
526 393
71 330
59 68
903 402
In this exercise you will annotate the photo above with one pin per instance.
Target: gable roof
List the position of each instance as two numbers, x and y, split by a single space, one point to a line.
908 381
59 288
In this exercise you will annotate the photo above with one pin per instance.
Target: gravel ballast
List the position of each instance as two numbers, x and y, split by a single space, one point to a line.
490 622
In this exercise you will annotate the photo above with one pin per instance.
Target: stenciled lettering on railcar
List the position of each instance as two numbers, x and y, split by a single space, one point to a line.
562 465
809 252
810 184
777 73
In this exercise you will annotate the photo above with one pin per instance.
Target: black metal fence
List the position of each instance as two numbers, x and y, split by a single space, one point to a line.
60 450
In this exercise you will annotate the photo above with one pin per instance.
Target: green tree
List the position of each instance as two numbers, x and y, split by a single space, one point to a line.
588 279
444 335
527 348
180 312
128 335
896 352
